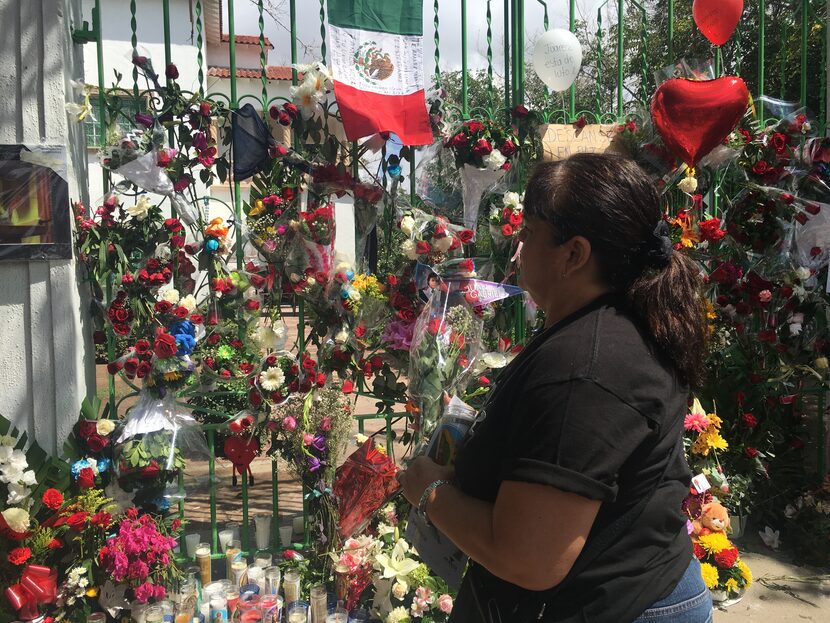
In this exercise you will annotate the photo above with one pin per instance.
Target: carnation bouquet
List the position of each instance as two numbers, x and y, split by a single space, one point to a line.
724 573
431 239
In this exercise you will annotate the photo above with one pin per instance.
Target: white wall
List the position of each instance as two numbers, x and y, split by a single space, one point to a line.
45 369
247 56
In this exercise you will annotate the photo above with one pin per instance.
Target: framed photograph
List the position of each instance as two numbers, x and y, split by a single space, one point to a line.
34 203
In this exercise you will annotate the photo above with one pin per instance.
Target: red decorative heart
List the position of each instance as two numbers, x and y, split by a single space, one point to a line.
694 117
717 19
241 451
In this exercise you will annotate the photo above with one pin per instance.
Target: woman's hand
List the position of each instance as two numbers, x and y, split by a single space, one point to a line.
420 473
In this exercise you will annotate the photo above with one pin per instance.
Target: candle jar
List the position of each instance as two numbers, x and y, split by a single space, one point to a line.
319 603
262 521
337 615
341 581
233 553
286 535
296 612
359 615
191 542
203 559
263 559
218 609
291 587
153 614
232 597
225 537
256 575
239 572
271 608
273 575
233 526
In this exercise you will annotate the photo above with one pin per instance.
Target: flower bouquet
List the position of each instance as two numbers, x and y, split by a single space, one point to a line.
445 344
506 220
274 206
482 152
364 483
432 239
724 573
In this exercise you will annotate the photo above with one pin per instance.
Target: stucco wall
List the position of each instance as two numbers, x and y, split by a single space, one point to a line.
44 372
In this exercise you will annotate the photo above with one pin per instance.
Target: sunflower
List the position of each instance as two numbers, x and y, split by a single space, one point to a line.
710 575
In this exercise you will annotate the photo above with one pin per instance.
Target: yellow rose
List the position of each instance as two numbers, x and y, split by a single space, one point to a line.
104 427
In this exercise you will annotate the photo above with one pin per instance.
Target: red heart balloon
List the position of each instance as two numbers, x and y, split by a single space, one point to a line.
717 19
694 117
241 451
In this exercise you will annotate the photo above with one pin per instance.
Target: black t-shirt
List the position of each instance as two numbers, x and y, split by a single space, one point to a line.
590 408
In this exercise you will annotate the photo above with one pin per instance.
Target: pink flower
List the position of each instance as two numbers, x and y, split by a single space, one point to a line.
308 439
445 603
696 421
145 593
325 424
289 424
765 296
424 593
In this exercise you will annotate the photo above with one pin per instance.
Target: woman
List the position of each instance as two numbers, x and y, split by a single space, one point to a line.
567 492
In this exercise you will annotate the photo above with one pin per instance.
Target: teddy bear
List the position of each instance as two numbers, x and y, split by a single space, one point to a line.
713 518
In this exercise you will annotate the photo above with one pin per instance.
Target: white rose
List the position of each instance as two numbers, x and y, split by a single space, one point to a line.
399 590
139 210
188 302
494 160
407 225
442 244
341 337
171 296
17 519
687 185
803 273
104 427
409 249
511 199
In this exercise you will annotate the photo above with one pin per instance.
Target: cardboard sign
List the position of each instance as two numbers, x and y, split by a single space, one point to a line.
560 141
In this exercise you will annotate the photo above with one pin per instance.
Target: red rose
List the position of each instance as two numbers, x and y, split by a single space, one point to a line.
86 478
274 112
288 193
506 166
77 520
407 314
812 208
96 443
291 109
745 135
459 140
181 312
197 319
466 235
710 230
751 452
19 555
101 520
482 147
309 365
749 420
515 219
284 118
173 225
508 148
422 247
348 386
165 345
581 122
114 367
779 143
726 558
122 315
255 398
163 307
87 428
171 71
252 305
55 544
143 369
52 499
131 367
277 151
321 379
466 265
760 168
434 326
507 230
360 331
150 470
520 112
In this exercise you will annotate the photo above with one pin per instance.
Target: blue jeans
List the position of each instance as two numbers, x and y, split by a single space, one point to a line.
689 602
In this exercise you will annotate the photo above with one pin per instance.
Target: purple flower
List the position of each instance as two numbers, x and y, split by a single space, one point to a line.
313 463
398 335
200 141
144 119
319 443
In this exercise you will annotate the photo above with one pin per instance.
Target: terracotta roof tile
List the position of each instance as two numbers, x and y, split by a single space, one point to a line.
272 72
247 40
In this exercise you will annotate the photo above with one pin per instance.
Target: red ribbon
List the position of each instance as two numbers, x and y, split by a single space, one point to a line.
38 585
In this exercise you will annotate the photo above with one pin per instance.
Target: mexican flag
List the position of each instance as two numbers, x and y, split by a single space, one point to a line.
377 65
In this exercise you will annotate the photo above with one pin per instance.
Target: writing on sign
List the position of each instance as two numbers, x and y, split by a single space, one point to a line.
560 141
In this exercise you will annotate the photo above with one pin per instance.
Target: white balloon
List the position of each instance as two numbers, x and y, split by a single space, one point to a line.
557 58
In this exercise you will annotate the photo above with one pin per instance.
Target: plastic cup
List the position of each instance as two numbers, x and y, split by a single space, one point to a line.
191 543
262 523
225 537
286 535
298 523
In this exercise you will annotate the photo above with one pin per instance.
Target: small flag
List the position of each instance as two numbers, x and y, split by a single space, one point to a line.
376 49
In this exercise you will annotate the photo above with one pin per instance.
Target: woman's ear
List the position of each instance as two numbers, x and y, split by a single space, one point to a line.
579 254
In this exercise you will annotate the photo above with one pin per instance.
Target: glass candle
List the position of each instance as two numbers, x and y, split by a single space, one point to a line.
286 535
191 542
263 559
218 609
298 524
271 608
359 615
256 575
232 597
153 614
297 612
341 581
291 587
233 553
234 528
319 603
225 537
203 558
239 571
262 521
337 615
272 580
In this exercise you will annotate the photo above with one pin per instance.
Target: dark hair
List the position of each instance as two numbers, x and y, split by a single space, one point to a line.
610 201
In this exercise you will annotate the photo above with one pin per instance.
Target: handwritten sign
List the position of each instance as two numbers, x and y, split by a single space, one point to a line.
561 141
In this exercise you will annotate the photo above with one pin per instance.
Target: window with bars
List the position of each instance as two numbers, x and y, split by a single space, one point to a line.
128 107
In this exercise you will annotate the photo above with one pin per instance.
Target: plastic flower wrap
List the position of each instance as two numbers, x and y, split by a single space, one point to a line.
506 219
432 239
271 212
445 344
366 199
278 377
363 485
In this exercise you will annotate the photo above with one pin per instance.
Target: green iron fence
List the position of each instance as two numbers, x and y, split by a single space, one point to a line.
625 42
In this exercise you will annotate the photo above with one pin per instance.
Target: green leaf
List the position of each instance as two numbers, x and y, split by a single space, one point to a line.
222 169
